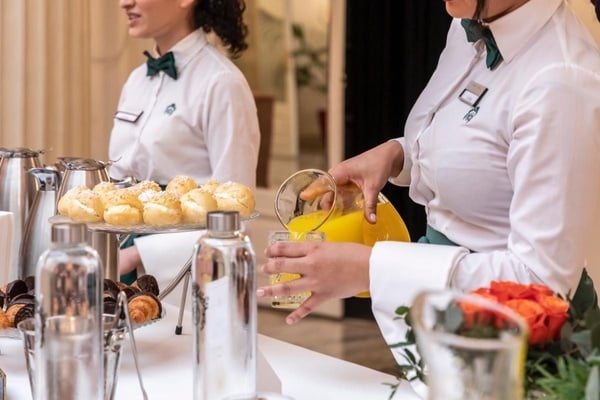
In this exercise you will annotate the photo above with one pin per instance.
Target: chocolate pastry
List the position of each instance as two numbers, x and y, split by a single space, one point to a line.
25 312
2 298
23 298
130 291
11 313
15 288
111 287
147 283
144 307
30 282
121 285
109 306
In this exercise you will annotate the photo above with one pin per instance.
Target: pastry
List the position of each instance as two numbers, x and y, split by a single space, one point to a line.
130 291
144 307
195 204
147 283
86 206
65 201
11 312
4 322
144 189
111 287
162 208
109 306
103 188
122 207
2 299
181 184
236 197
209 186
24 313
14 289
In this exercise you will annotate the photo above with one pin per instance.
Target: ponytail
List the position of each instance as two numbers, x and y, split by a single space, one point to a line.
224 18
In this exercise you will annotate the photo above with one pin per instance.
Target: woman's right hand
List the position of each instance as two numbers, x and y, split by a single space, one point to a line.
370 171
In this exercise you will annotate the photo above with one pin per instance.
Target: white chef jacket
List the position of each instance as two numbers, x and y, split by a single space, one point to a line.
204 125
516 179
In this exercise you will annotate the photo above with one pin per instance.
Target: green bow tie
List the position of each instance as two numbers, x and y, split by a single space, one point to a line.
164 63
476 31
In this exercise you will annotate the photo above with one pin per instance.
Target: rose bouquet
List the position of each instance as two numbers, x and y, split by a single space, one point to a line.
563 356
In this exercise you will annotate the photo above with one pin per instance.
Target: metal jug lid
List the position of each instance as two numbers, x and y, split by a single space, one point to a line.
82 164
223 221
19 152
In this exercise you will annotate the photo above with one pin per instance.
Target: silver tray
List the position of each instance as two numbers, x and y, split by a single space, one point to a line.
141 229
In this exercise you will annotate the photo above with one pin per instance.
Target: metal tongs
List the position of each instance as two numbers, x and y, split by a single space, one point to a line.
124 321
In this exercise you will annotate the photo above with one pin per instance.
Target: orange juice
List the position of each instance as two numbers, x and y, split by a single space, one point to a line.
352 227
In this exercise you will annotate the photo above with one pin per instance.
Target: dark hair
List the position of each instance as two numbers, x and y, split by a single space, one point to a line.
596 4
479 9
223 17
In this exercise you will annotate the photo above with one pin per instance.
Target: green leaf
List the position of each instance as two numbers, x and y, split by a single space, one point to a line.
595 337
585 297
592 387
583 340
402 310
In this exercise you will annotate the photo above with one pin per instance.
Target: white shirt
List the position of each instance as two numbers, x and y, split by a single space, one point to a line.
518 183
204 124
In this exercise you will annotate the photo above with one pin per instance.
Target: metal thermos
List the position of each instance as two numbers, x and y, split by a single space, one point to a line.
224 309
68 318
17 191
36 236
88 172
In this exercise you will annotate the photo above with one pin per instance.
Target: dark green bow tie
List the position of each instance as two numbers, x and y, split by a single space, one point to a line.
165 63
476 31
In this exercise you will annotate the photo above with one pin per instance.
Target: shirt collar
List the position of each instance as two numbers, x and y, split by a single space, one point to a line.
530 18
187 47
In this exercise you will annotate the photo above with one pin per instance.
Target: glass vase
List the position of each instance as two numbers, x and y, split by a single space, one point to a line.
473 348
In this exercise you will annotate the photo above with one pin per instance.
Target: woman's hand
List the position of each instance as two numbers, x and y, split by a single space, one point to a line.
129 260
370 171
328 270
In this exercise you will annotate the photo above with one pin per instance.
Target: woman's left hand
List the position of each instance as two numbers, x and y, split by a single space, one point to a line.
327 270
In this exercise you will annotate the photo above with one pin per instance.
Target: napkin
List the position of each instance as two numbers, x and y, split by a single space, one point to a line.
6 243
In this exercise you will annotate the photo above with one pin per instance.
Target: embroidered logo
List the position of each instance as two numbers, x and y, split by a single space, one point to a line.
170 109
471 114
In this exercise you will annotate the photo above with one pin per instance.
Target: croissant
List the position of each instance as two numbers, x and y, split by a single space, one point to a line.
144 307
11 313
4 322
24 313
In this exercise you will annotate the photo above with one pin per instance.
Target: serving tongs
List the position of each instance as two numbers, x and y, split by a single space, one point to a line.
123 320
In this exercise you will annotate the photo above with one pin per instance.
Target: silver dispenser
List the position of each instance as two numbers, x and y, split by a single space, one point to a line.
36 236
224 309
68 318
17 191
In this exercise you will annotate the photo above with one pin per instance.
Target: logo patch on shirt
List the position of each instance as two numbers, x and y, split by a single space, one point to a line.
471 114
170 109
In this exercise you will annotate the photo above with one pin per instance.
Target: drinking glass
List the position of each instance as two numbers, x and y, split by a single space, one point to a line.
473 348
113 344
294 300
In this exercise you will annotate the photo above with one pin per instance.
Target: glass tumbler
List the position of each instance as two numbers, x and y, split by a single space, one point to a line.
294 300
473 348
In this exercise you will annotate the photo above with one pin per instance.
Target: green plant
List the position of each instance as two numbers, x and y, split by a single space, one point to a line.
311 63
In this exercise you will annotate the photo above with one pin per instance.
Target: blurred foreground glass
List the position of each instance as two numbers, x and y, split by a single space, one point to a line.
291 301
474 348
113 343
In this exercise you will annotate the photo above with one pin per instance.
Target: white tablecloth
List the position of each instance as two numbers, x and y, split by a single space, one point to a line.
166 364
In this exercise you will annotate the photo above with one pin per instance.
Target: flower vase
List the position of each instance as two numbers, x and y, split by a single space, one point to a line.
473 348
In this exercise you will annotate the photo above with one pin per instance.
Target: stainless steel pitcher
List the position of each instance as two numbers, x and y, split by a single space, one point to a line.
89 172
36 237
17 192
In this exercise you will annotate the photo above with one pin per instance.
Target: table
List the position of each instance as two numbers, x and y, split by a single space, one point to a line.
166 364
